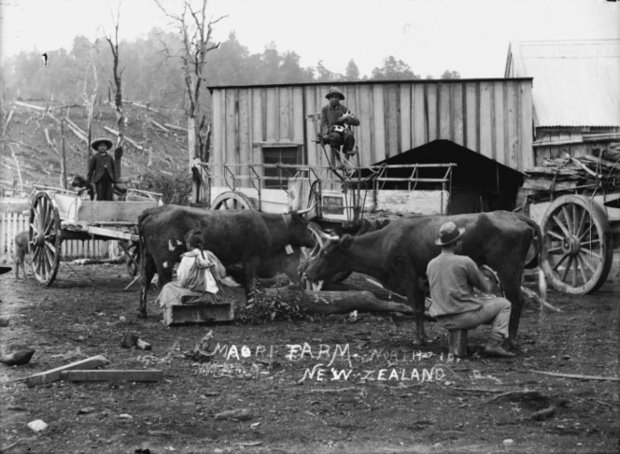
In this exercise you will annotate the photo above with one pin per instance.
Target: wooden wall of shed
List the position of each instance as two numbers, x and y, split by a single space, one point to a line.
491 117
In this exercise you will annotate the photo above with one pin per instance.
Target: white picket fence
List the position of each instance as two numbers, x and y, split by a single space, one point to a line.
13 223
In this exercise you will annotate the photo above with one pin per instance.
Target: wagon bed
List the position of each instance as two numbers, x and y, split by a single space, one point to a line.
57 214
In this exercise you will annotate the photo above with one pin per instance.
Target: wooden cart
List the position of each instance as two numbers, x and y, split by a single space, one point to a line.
277 188
579 232
58 214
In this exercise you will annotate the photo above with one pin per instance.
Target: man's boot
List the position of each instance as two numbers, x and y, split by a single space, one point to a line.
494 347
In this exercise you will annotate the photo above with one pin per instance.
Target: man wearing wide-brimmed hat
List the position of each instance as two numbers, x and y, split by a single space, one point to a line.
101 169
335 121
452 279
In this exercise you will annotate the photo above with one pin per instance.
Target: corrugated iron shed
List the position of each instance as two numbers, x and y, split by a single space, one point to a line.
576 83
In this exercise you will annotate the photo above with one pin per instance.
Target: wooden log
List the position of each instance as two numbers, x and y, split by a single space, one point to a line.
576 376
52 375
457 341
159 126
145 375
143 106
336 302
175 128
29 106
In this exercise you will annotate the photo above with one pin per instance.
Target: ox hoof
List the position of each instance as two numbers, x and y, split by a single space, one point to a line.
141 314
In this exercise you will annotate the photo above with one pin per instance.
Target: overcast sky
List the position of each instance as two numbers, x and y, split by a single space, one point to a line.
470 36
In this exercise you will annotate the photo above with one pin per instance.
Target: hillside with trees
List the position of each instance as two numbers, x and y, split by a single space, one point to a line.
75 83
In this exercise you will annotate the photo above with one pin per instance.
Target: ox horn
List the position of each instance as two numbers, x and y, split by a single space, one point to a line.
320 235
310 208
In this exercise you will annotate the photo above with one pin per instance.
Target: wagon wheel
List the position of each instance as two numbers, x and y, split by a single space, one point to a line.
132 256
232 200
578 248
45 238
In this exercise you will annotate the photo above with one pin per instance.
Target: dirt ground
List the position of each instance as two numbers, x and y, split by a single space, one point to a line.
291 379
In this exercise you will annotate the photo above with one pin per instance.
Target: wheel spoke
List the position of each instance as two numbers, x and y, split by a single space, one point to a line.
559 262
594 254
581 221
51 247
582 265
555 235
565 273
575 266
584 244
562 227
586 261
555 250
567 218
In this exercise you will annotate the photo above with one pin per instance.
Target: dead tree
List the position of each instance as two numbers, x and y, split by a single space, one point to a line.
196 34
89 102
118 94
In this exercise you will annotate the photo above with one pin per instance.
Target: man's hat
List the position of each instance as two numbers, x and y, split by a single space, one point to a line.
95 143
334 91
4 269
448 234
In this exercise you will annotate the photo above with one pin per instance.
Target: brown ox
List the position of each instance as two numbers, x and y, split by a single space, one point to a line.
248 237
397 255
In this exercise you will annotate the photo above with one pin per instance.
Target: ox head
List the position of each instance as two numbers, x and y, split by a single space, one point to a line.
298 228
329 256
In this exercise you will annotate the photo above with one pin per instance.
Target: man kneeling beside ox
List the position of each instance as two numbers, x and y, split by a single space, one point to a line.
452 279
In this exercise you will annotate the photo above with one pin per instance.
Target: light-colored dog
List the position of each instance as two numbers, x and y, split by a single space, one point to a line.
21 251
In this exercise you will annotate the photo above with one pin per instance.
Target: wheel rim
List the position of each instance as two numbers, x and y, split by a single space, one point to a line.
45 238
232 201
577 252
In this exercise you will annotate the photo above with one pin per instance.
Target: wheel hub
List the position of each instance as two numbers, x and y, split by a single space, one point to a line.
570 245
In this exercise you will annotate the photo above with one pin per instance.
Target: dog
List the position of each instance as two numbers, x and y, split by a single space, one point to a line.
83 187
21 251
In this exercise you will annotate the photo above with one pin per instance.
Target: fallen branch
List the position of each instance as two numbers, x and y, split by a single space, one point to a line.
131 142
143 106
159 126
577 376
29 106
115 260
174 128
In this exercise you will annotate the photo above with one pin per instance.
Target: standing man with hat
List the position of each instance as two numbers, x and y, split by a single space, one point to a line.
101 169
452 279
335 118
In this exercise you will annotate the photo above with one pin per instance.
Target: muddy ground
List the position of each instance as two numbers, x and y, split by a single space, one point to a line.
399 397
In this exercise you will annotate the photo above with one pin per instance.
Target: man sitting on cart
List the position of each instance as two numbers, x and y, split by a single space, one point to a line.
336 120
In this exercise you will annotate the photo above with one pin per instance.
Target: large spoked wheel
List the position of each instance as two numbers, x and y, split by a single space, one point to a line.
578 250
45 238
232 200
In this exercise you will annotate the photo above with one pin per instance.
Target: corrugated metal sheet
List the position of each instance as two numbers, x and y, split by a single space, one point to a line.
576 83
491 116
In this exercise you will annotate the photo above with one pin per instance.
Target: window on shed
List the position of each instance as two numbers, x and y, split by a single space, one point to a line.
277 177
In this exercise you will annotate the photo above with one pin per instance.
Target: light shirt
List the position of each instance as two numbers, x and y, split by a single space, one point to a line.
451 279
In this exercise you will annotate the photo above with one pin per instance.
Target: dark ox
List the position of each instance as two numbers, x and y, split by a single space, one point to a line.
245 237
397 255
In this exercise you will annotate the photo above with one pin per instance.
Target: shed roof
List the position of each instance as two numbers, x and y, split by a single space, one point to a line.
576 83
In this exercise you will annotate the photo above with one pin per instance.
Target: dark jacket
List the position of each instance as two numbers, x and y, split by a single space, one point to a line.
99 164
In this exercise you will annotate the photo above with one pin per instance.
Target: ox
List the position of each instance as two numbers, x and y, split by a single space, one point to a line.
247 237
397 255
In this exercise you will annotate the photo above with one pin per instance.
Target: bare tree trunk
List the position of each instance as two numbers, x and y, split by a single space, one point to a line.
63 161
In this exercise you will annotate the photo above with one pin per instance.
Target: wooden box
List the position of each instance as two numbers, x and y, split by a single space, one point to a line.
206 308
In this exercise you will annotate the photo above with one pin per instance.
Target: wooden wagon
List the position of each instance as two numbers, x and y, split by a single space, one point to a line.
59 214
578 208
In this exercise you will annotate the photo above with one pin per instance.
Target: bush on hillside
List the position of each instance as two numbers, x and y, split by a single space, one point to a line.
176 188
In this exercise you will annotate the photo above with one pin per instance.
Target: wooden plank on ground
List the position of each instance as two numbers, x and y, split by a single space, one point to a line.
145 375
52 375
